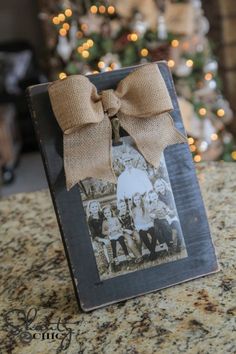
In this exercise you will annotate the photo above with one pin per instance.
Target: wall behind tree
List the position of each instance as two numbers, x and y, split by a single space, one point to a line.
19 21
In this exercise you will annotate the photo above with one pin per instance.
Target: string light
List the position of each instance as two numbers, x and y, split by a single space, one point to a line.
84 27
62 32
202 111
220 112
85 46
85 54
233 155
62 76
66 26
190 141
171 63
214 137
208 76
90 42
61 17
101 64
189 63
133 37
93 9
108 69
197 158
80 49
102 9
111 10
193 148
55 20
175 43
95 72
68 12
144 52
79 34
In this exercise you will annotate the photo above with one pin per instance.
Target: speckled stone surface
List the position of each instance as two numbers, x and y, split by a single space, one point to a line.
194 317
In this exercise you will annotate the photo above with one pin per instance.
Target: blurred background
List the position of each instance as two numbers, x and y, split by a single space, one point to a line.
45 40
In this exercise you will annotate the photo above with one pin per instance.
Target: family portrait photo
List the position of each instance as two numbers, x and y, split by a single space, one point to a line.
133 224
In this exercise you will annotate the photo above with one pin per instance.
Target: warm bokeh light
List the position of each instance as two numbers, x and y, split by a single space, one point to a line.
175 43
233 155
61 17
80 49
66 26
93 9
144 52
220 112
197 158
214 137
189 63
85 46
133 37
190 141
68 12
55 20
102 9
79 34
101 64
193 148
108 68
85 54
62 76
62 32
84 27
208 76
90 42
111 10
171 63
202 111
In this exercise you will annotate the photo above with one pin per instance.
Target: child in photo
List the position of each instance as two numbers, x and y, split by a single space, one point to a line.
95 221
165 194
163 190
112 228
144 224
131 236
165 223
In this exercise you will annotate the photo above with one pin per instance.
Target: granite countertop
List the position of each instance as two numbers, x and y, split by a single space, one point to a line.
39 313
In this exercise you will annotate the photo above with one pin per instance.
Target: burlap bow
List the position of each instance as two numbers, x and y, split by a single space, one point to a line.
141 102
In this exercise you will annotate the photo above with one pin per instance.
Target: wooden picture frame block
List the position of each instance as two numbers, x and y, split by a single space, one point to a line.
91 292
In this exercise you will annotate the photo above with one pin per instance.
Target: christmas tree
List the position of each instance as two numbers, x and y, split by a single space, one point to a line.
87 37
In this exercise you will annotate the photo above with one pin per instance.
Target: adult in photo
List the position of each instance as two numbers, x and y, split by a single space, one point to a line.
130 234
163 190
100 242
144 224
132 180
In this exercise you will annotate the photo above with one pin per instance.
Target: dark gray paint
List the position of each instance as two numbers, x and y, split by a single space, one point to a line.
90 291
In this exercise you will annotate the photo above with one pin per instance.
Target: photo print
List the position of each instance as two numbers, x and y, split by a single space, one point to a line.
133 224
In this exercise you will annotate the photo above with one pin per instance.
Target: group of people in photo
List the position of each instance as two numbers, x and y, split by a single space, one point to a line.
142 216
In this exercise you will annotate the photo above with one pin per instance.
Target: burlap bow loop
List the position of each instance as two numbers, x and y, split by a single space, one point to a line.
141 102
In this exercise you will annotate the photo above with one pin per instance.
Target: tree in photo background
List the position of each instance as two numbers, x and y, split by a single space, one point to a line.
85 37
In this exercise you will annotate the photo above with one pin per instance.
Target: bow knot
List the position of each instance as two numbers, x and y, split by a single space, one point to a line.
79 110
111 103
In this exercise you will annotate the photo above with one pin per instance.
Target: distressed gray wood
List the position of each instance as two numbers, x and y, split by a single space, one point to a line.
90 291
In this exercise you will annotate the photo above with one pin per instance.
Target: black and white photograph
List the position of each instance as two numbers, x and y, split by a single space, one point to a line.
133 224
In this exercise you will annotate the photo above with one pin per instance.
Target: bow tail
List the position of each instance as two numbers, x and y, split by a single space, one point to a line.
87 153
152 135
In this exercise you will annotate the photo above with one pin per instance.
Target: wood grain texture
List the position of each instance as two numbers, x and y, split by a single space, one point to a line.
90 291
